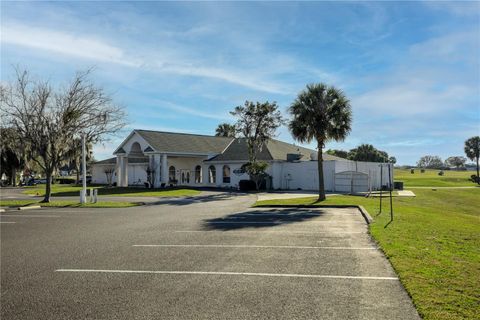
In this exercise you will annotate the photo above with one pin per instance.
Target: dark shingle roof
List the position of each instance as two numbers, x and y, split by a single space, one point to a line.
184 142
272 150
130 160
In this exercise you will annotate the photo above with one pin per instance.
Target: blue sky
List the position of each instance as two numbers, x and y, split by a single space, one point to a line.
410 69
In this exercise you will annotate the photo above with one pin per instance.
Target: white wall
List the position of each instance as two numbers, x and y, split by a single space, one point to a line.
371 168
301 175
188 164
137 174
98 175
134 138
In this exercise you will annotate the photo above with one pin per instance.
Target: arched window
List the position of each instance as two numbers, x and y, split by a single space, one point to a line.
198 174
171 174
211 174
136 149
226 174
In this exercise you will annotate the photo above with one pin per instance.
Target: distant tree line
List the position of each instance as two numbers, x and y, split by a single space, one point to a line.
364 152
472 151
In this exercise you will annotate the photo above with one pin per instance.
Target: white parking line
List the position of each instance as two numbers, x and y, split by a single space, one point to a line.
28 216
248 246
7 222
286 275
266 231
67 211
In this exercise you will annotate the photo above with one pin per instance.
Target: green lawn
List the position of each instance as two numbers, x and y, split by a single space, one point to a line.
62 190
70 204
433 243
430 178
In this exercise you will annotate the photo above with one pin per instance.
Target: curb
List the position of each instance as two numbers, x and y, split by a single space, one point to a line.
363 211
29 208
2 210
365 214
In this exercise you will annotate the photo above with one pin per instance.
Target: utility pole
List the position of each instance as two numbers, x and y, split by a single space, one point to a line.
83 194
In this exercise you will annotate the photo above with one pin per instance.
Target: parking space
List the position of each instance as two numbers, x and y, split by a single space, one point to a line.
202 260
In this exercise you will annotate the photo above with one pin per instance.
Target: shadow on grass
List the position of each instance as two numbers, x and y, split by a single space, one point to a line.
261 218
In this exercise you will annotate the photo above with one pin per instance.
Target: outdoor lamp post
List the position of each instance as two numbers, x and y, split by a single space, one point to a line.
83 193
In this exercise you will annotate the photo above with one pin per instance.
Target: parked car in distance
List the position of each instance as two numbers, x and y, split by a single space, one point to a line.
89 180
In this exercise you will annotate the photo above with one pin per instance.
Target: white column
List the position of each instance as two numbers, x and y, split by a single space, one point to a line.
219 171
119 171
125 172
151 166
164 168
204 174
158 168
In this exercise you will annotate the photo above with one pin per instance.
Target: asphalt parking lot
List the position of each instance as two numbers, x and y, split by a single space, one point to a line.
209 257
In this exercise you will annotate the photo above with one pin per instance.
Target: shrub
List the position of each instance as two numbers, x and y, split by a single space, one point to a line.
441 173
475 178
412 171
247 185
65 180
422 171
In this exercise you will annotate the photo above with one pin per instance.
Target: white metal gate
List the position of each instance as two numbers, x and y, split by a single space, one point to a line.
351 181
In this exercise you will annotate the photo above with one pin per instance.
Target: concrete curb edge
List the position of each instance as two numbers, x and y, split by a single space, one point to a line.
29 208
362 210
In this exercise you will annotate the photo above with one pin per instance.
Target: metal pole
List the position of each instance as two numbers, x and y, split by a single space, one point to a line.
84 172
381 186
391 187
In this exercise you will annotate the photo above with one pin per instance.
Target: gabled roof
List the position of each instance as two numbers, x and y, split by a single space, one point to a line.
271 150
113 161
175 142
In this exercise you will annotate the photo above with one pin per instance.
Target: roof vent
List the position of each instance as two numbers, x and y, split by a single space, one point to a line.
293 157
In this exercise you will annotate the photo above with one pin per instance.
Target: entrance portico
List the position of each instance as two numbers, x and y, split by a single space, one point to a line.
164 159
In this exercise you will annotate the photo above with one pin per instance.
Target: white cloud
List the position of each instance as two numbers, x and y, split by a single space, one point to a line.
459 8
410 98
234 77
460 46
87 47
188 110
64 43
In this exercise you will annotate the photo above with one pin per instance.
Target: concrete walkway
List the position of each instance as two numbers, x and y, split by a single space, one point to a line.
289 195
405 193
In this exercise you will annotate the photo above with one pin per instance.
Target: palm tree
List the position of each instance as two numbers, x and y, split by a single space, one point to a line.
225 130
472 150
322 113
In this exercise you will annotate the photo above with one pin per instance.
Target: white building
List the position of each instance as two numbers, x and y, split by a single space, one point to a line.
199 160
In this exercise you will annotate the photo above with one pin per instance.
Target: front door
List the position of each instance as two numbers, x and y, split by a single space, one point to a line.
184 176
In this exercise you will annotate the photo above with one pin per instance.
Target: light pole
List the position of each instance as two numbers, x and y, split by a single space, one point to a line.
83 194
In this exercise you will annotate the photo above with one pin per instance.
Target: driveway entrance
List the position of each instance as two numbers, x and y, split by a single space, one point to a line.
205 257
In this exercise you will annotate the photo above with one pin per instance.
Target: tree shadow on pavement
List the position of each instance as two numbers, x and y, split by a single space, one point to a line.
261 218
184 201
